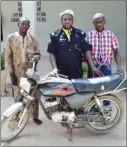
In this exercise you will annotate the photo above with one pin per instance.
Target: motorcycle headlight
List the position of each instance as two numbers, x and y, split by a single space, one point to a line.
24 84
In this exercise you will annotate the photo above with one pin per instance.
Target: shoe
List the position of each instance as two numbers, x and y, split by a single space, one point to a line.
37 121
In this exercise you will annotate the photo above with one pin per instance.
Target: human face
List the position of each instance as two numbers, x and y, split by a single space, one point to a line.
24 25
67 21
99 24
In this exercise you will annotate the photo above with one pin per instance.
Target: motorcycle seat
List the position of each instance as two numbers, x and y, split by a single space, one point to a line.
98 84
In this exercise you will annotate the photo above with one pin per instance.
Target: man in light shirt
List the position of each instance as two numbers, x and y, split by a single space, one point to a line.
18 44
104 44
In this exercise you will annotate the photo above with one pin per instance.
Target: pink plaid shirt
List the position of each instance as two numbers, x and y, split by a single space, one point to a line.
102 44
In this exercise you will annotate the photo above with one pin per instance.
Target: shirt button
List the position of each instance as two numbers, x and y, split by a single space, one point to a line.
70 49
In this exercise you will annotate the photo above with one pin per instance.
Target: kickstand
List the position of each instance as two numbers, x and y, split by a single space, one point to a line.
69 131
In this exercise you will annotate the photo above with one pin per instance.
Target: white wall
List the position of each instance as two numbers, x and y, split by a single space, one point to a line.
8 8
115 11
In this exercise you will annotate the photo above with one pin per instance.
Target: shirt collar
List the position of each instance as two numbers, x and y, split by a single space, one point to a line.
17 34
103 32
66 29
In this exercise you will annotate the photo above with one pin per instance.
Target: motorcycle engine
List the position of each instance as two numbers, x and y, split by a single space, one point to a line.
56 112
52 105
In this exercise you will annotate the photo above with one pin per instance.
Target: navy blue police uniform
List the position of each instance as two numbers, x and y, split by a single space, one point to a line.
68 53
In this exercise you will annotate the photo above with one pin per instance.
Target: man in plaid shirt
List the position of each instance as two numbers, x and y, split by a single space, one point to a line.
104 43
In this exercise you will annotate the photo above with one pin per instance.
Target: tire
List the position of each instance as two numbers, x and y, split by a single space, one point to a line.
119 115
5 120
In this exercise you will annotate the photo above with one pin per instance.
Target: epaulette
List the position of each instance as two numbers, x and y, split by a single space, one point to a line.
81 32
55 33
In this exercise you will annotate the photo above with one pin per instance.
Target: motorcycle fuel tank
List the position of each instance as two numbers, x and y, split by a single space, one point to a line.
57 87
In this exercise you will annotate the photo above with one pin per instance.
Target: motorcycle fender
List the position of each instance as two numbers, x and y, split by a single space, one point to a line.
13 108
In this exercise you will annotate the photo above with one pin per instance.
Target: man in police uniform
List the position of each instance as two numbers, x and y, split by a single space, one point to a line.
66 47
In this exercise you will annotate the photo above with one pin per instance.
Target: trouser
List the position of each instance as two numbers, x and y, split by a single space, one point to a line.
107 71
3 82
34 107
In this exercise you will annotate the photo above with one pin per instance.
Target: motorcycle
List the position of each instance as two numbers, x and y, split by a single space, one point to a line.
68 102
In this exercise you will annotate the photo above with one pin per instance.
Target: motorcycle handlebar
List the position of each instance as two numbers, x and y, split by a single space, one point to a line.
56 75
63 76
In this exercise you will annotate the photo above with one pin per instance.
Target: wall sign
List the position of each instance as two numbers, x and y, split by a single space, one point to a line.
41 16
16 16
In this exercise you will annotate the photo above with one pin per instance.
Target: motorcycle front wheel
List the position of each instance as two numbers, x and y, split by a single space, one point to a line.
111 124
11 123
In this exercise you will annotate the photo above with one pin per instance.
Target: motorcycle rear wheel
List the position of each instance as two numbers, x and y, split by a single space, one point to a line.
114 123
7 122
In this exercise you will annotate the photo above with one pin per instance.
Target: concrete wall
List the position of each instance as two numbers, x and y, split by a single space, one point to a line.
115 11
8 8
